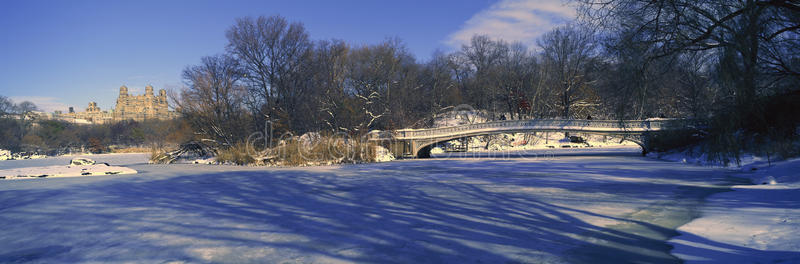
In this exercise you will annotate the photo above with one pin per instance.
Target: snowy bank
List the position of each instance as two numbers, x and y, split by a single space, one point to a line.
77 168
695 156
752 224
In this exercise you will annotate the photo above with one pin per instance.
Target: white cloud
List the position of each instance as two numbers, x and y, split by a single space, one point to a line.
46 104
514 21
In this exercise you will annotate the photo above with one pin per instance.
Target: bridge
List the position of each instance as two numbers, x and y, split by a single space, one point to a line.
418 142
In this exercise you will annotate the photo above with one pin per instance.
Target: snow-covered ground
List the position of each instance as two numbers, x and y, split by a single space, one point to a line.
752 224
571 206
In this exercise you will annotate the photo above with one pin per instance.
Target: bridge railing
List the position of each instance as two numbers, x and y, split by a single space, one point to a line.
554 124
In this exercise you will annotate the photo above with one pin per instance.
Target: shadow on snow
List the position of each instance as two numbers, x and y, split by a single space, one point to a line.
395 216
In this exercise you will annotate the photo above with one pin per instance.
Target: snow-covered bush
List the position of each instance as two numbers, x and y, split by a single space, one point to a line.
5 154
437 150
187 150
383 155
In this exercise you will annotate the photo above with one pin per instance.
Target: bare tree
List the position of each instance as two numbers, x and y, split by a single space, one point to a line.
6 106
213 99
25 109
567 55
483 56
697 91
750 36
373 75
440 83
516 78
331 71
272 52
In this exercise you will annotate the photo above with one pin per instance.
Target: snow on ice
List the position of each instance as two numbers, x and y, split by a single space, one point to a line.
570 206
574 206
752 224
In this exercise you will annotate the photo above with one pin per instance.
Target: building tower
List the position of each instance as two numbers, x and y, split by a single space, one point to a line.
162 105
122 103
141 107
93 108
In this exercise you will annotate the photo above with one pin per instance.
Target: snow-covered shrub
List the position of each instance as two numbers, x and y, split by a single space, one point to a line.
5 154
383 155
159 156
189 149
205 161
459 115
437 150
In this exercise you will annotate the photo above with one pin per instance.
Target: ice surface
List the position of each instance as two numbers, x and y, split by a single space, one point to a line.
567 206
752 224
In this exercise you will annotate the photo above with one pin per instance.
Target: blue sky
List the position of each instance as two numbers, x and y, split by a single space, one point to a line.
68 53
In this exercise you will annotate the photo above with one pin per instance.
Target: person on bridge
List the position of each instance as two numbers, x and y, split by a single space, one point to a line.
589 117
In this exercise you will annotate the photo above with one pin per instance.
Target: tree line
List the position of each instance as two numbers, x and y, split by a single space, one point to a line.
738 61
273 73
622 59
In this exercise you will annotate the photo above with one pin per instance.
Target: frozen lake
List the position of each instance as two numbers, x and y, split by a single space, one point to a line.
575 206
